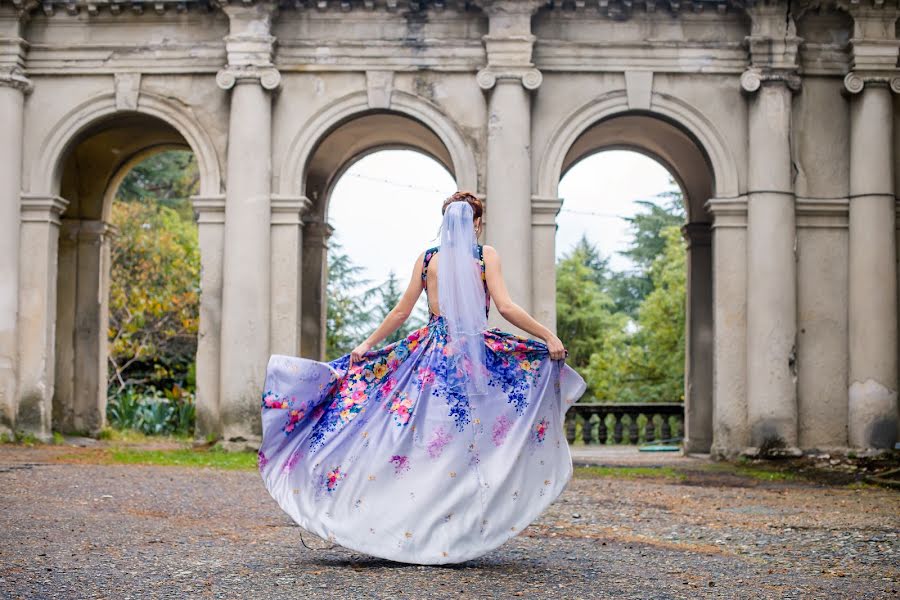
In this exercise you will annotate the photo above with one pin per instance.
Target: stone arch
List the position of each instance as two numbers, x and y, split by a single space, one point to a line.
723 166
292 176
45 177
78 267
686 143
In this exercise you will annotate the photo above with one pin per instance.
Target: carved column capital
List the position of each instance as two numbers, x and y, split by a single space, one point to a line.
316 232
544 210
529 77
209 209
268 77
773 58
289 210
37 208
249 47
873 62
16 78
754 77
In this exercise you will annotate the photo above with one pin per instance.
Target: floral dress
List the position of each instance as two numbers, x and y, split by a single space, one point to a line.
388 459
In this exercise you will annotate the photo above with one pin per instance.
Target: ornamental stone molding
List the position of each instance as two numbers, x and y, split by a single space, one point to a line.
289 210
37 208
753 78
15 78
855 82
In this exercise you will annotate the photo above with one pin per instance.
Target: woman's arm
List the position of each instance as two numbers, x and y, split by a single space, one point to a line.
398 314
511 311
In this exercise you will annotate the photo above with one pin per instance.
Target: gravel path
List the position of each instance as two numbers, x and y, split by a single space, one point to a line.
81 530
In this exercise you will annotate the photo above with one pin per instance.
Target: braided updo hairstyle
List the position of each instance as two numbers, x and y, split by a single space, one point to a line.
475 203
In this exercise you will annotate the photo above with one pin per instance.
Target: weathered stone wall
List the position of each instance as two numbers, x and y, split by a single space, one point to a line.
780 121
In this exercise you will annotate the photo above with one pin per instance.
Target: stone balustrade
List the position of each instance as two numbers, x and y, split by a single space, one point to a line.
597 422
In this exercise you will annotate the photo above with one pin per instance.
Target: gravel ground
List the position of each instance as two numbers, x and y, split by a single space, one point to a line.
82 530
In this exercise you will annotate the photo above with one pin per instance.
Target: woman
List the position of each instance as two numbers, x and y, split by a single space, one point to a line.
438 447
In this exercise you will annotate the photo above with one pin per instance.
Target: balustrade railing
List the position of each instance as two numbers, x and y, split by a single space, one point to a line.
596 422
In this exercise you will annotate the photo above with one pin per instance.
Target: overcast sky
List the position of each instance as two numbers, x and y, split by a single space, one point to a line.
386 208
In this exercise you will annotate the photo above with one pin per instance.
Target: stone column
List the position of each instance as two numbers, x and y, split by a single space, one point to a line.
508 79
210 213
698 368
91 318
13 88
315 284
287 271
730 433
40 217
543 273
872 326
771 238
246 288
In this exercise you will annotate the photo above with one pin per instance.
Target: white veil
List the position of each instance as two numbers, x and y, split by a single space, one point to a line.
461 299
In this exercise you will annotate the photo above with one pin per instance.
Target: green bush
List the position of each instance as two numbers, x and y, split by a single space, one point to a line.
152 411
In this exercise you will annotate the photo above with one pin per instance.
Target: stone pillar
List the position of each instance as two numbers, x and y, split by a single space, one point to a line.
508 79
730 433
90 321
698 368
210 213
771 239
315 284
13 88
287 271
872 326
37 312
543 244
246 274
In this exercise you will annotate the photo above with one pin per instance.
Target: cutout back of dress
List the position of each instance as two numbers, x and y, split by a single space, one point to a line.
429 254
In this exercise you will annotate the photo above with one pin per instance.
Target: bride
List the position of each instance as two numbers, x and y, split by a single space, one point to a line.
436 448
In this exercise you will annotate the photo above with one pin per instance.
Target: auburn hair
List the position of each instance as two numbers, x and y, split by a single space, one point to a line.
475 203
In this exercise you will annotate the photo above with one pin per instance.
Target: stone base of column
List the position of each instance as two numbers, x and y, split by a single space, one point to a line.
872 410
772 452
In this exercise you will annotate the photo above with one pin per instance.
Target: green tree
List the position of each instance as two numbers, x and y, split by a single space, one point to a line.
647 364
629 288
388 295
154 296
166 178
585 321
348 315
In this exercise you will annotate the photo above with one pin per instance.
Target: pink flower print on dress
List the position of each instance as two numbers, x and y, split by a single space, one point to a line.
400 406
540 430
291 461
261 461
501 428
425 376
332 478
439 439
401 464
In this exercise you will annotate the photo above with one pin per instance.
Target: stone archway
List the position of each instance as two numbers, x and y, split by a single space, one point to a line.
611 123
344 144
66 283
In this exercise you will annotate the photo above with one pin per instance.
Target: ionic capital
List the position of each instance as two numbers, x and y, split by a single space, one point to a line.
268 77
529 77
753 78
16 78
855 82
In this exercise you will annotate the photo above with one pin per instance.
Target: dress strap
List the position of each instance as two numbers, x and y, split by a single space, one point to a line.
427 259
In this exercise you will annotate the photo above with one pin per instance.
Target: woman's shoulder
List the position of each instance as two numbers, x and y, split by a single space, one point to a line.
489 250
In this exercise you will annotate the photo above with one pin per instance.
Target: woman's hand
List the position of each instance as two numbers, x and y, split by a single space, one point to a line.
357 353
556 348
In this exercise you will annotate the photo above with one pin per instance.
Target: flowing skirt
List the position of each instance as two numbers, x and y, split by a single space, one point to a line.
390 459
